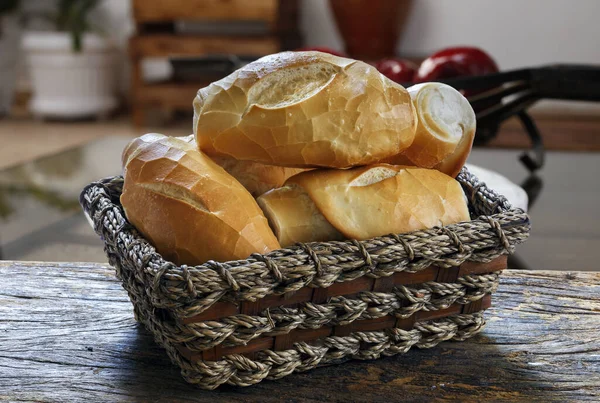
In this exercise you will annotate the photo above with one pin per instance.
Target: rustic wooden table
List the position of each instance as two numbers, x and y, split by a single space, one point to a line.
67 333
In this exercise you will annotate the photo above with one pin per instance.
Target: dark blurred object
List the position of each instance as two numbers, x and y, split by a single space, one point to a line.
370 28
212 68
181 29
533 186
251 28
7 6
515 91
10 35
323 50
398 70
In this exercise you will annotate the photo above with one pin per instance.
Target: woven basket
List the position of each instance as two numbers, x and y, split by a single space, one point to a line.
312 304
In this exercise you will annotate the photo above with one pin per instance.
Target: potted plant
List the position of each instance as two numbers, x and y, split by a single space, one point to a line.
73 69
9 46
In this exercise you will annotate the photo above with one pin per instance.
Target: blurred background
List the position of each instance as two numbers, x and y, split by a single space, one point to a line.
79 78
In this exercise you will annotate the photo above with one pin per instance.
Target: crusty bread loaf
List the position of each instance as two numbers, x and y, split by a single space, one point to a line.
187 206
365 202
445 131
257 178
305 109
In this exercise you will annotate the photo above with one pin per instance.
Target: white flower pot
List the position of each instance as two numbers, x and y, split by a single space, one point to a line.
9 51
71 85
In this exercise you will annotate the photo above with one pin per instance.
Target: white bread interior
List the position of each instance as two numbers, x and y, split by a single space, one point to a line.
445 130
305 109
364 202
188 207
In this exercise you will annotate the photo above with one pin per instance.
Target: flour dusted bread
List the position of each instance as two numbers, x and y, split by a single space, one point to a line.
187 206
305 109
364 202
445 130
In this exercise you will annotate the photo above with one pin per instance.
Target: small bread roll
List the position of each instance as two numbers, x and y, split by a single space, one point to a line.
445 131
362 203
187 206
305 109
294 217
452 164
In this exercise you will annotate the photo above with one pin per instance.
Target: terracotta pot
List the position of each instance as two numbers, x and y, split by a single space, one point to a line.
370 28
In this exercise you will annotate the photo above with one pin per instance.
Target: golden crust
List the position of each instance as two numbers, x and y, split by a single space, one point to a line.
294 217
189 208
412 199
445 131
452 164
305 109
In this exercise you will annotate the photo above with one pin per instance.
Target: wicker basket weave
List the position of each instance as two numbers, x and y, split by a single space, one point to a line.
312 304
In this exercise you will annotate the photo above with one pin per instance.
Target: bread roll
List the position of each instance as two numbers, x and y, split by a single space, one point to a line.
452 164
445 131
305 109
294 217
188 207
257 178
364 202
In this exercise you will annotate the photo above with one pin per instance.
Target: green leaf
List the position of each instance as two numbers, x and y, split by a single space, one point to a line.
73 17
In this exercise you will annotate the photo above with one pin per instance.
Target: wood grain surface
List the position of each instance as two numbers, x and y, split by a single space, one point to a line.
67 334
165 45
219 10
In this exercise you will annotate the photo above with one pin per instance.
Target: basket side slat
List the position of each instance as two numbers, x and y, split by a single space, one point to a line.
346 312
447 275
308 335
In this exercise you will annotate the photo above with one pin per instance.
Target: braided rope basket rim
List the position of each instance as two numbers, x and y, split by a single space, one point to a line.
162 292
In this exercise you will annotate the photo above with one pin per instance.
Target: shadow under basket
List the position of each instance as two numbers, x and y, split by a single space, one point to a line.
313 304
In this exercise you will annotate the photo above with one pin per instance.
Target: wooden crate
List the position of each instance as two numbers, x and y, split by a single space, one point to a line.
155 37
145 11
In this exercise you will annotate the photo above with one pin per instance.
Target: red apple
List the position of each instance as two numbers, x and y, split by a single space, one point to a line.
455 62
321 49
398 70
